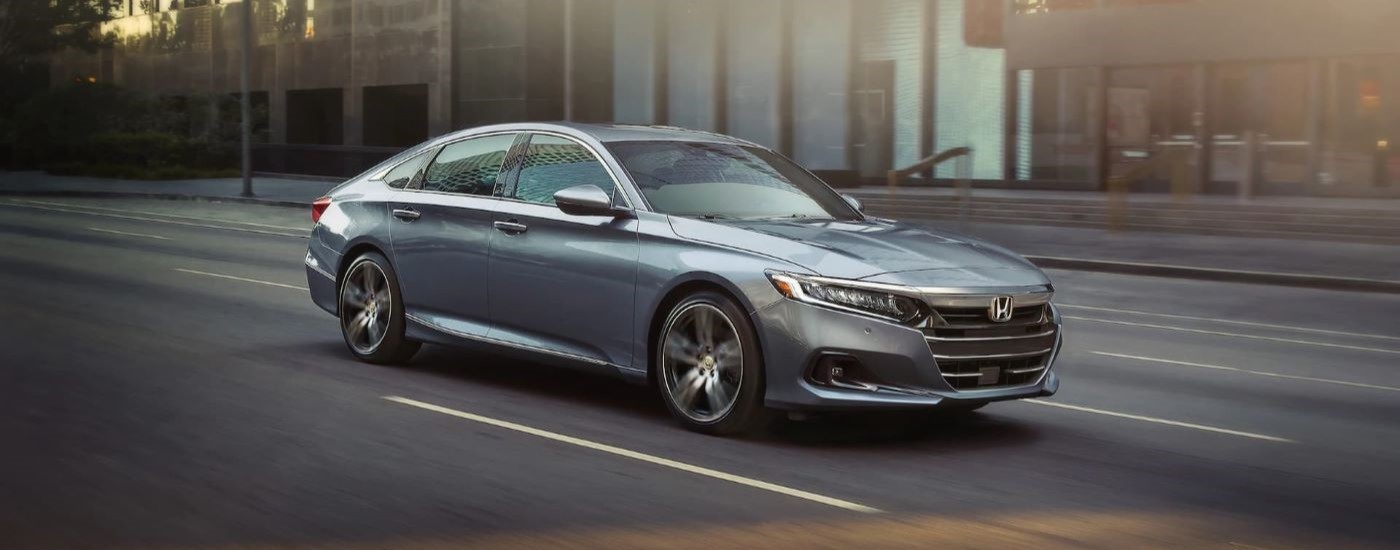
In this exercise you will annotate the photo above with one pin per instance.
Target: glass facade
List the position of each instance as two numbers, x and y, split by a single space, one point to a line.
1316 125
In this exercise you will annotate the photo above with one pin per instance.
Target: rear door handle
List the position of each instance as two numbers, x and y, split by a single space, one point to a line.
511 226
406 214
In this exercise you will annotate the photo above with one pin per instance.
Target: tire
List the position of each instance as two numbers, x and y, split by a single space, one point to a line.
372 317
711 379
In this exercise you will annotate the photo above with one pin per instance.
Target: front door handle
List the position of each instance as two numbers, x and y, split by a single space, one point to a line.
511 227
406 214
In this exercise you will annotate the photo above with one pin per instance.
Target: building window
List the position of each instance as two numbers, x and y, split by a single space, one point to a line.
315 116
1058 107
396 116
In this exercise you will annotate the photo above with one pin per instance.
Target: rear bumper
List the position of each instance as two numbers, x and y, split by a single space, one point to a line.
797 337
320 279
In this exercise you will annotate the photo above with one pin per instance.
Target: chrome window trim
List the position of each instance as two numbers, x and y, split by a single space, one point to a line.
444 144
597 157
379 177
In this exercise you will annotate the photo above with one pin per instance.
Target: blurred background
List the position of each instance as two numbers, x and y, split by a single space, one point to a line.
1213 186
1049 94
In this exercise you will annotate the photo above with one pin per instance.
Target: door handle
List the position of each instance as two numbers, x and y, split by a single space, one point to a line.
511 226
406 214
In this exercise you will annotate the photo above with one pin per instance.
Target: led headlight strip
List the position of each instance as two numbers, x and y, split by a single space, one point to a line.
866 301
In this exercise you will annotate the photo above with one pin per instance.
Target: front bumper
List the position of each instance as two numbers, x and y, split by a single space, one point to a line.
796 337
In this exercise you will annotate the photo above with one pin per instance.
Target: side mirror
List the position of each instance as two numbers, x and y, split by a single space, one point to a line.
854 202
585 200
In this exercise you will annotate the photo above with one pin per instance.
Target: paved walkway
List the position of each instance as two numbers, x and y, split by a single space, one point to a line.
1035 194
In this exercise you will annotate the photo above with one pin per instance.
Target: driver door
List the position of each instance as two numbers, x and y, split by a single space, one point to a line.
559 283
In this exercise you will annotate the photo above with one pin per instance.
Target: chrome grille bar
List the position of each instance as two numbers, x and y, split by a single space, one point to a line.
1050 332
993 356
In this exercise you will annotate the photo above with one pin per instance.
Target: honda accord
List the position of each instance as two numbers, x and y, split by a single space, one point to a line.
731 279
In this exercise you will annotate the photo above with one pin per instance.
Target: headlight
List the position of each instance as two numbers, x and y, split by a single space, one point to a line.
877 303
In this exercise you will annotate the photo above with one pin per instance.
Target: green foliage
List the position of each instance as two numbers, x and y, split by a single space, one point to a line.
30 29
121 131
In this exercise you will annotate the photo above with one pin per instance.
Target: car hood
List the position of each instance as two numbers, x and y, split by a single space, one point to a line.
871 249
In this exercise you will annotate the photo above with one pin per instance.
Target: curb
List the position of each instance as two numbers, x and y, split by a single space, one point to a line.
159 196
1323 282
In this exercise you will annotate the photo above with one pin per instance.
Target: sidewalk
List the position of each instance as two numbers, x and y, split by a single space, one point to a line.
1292 262
1285 261
1343 203
266 190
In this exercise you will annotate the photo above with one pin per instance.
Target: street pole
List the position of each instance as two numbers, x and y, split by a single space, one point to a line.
568 59
245 98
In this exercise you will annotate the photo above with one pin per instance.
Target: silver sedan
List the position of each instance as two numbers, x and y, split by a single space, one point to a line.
731 279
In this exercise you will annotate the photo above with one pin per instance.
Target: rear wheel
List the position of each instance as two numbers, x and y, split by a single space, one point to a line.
710 371
371 312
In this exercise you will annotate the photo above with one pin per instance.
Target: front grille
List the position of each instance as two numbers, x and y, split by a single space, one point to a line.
973 352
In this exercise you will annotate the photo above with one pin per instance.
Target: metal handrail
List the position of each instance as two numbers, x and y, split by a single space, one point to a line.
1117 185
963 183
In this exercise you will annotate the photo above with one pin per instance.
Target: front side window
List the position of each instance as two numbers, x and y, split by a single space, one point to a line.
468 167
553 164
402 174
726 181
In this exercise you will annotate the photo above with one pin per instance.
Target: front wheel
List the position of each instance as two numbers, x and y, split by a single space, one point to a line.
710 370
371 312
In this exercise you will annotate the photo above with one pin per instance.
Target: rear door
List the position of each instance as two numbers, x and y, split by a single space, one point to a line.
442 231
560 283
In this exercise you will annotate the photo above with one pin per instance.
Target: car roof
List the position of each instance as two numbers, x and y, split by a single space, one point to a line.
606 132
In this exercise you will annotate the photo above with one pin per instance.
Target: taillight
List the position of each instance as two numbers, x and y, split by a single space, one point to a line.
319 207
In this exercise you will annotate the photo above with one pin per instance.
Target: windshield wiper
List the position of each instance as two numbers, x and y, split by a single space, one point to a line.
792 217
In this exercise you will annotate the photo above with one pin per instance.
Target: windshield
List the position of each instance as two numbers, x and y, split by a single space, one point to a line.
726 181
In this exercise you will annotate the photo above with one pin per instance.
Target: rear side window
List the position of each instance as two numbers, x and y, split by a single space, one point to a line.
553 163
402 174
468 167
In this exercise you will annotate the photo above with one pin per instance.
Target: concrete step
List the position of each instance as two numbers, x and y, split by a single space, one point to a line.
1102 216
1375 238
1325 216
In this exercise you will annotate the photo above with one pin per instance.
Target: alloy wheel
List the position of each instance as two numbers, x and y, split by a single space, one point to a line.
702 362
366 304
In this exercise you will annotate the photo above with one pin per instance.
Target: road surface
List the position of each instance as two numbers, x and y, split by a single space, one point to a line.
165 381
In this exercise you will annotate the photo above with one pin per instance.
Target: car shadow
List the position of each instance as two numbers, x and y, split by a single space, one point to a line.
922 430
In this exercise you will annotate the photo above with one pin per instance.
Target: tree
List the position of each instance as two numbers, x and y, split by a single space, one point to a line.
31 29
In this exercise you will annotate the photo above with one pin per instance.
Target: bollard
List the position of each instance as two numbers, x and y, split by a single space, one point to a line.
964 170
1117 203
1248 165
1181 179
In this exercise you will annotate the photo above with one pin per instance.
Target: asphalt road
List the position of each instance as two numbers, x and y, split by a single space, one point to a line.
165 381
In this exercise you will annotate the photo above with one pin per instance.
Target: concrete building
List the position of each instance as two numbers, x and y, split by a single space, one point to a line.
1052 93
1099 85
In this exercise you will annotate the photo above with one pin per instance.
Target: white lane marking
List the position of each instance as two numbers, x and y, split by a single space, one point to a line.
666 462
161 214
1160 421
1245 371
115 232
1237 335
139 218
237 278
1230 322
